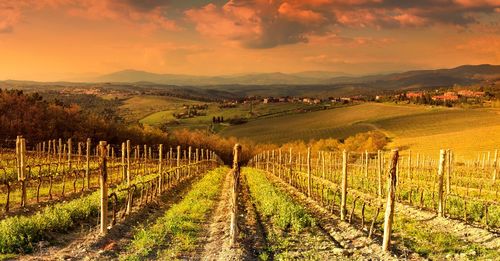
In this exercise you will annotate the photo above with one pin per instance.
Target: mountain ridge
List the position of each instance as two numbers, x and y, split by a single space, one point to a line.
464 74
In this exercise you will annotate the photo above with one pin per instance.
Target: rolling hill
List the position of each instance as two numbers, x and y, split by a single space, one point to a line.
463 75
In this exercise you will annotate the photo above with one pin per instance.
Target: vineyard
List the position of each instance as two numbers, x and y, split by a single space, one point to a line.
80 200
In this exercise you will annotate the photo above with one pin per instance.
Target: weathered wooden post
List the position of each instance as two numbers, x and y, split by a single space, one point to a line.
87 165
448 171
442 157
290 167
22 169
189 160
233 233
409 165
279 163
103 179
197 158
379 172
124 153
129 200
309 180
391 195
160 170
366 164
343 202
70 148
323 165
18 157
178 162
495 165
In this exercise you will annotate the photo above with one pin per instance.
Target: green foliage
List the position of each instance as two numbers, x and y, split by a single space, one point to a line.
18 233
276 205
179 226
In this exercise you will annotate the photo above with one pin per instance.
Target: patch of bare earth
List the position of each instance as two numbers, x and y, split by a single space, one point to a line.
214 240
86 243
354 242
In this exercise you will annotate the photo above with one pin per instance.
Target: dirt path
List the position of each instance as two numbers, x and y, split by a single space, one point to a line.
215 241
355 243
87 244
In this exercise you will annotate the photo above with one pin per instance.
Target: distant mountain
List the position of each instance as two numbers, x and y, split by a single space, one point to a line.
466 74
462 75
311 77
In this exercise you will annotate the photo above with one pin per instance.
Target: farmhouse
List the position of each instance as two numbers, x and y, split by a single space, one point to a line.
414 95
447 96
470 94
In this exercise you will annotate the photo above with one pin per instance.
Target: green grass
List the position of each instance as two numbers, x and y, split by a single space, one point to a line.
177 230
274 204
287 218
141 106
438 245
18 234
158 118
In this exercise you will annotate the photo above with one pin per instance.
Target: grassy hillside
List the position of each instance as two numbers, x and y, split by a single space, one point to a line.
423 129
141 106
161 111
465 131
337 123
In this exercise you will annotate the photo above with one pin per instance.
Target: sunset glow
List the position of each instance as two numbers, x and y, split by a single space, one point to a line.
76 39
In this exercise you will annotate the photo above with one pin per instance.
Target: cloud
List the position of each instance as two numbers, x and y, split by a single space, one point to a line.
150 14
258 24
267 24
10 15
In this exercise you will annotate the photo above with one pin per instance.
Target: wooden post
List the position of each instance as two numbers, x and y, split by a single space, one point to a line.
366 164
104 187
448 171
87 165
22 168
18 157
70 148
309 180
290 167
391 194
343 203
189 160
409 165
233 233
160 170
442 157
129 201
323 166
379 172
178 161
495 165
124 173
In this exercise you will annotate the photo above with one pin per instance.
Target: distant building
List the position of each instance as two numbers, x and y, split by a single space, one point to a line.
470 94
414 95
306 100
316 101
266 100
449 96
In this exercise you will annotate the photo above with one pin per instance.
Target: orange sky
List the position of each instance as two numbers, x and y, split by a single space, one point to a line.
76 39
